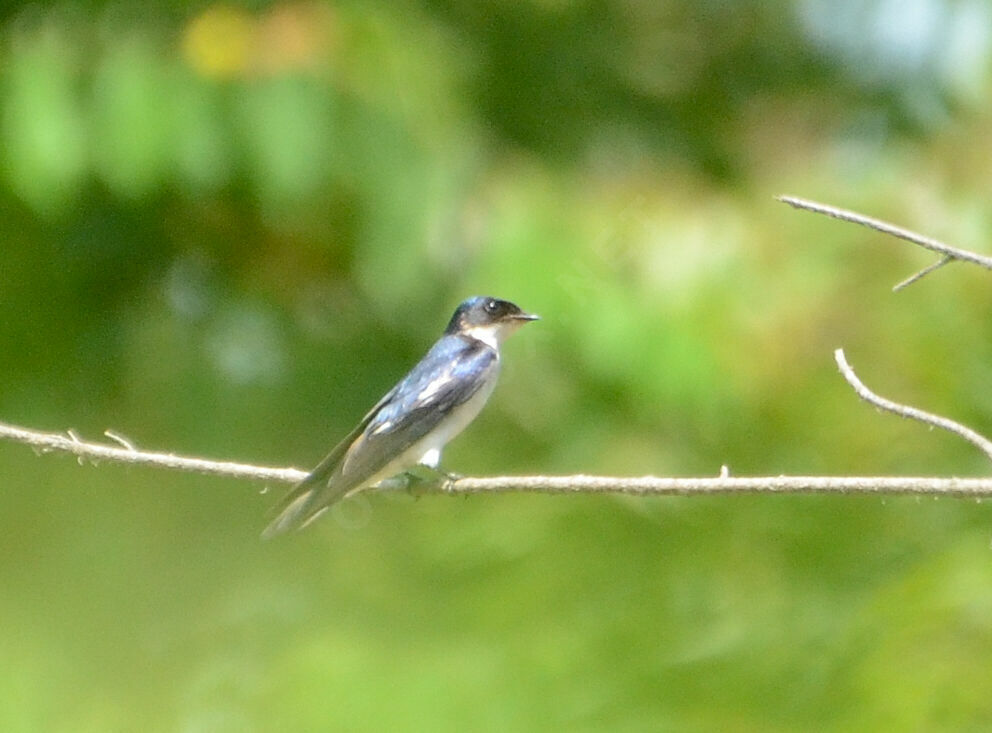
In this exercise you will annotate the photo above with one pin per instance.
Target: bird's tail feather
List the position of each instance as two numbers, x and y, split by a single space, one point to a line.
305 502
324 486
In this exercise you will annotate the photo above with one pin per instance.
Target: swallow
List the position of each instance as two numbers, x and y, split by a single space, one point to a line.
413 422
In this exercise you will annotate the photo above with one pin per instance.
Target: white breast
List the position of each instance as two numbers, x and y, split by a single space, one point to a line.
460 417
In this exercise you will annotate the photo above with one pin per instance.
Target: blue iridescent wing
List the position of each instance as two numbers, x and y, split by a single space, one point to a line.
447 377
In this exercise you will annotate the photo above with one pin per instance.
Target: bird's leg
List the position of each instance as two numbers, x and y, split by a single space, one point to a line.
400 482
426 473
428 467
415 481
432 474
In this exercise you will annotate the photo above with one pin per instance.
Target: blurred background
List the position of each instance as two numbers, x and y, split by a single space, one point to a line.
228 229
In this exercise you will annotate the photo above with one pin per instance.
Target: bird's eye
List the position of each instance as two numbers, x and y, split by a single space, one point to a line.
491 306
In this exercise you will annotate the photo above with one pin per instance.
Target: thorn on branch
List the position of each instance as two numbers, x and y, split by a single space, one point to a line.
118 438
74 437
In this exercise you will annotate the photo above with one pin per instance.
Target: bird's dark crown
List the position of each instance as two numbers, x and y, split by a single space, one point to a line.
485 311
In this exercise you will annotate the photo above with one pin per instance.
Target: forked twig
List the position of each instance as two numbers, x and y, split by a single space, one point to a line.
948 252
922 273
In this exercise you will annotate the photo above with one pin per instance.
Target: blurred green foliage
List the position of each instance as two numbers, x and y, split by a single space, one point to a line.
228 229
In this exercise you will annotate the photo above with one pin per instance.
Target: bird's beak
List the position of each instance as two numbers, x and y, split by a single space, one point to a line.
526 317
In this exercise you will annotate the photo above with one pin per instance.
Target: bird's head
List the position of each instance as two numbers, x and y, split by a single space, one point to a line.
490 320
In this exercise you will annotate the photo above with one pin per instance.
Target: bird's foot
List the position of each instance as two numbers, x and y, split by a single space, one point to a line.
395 483
421 478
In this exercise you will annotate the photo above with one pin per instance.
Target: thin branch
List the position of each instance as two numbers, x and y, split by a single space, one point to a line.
638 486
661 486
953 253
979 441
46 442
922 273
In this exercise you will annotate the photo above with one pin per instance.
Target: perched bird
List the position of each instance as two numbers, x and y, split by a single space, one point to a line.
410 425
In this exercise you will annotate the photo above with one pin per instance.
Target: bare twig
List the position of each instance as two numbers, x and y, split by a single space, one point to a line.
45 442
639 486
948 252
979 441
118 438
922 273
